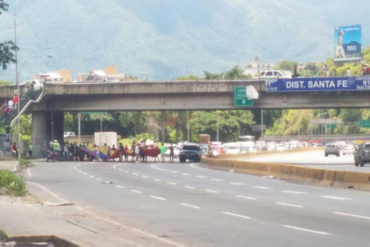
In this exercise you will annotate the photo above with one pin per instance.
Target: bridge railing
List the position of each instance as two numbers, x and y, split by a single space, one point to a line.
7 119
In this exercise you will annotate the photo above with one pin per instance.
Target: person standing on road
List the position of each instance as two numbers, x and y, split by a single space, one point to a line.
137 151
171 153
120 149
163 151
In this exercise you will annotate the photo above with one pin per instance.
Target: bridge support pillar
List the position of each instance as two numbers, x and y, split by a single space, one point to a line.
46 126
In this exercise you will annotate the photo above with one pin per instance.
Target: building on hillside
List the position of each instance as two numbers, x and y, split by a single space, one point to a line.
254 68
49 77
66 74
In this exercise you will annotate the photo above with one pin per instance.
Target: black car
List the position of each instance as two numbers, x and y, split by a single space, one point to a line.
190 152
362 154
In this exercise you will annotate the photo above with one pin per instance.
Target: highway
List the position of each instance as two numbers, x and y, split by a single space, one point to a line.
192 206
315 159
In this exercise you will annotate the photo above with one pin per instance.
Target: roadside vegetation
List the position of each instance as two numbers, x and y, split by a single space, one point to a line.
11 184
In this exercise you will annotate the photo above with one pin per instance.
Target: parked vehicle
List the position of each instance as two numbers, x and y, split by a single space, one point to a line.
274 74
332 149
190 152
362 154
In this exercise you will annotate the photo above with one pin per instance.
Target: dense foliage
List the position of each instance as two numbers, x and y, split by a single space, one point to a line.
7 48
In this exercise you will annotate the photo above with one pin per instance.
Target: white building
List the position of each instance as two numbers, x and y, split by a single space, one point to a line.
254 68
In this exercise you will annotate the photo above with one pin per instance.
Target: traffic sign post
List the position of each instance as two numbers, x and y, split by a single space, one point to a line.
364 123
240 97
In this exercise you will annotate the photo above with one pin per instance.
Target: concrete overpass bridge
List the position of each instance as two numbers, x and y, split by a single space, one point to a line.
47 115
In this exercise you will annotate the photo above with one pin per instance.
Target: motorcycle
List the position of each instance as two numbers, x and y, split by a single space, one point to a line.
53 156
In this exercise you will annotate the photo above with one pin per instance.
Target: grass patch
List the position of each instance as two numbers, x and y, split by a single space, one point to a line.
12 184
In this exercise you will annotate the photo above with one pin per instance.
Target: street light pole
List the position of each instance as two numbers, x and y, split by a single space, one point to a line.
17 73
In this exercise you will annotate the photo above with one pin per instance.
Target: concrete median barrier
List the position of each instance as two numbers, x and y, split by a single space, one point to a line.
343 179
25 240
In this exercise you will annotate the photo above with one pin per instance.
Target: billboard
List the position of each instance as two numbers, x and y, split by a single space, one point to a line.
347 43
317 84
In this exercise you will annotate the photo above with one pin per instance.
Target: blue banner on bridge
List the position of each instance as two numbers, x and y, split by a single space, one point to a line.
318 84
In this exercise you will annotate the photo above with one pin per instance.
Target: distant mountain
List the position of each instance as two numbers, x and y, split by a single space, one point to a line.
161 39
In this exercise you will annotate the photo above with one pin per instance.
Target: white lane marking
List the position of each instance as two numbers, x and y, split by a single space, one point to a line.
85 174
99 179
157 179
201 176
189 205
158 198
135 174
353 215
237 215
336 198
289 205
136 191
29 173
171 183
185 174
91 176
120 187
294 192
62 200
217 179
146 177
247 197
306 230
236 183
212 191
262 187
189 187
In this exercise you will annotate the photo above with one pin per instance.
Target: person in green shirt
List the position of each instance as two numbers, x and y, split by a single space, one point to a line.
163 150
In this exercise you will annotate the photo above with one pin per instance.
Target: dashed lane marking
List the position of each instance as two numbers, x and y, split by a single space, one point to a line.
120 187
136 191
237 215
189 205
294 192
247 197
189 187
158 198
146 177
212 191
306 230
336 198
171 183
157 180
217 179
262 187
91 176
352 215
236 183
185 174
289 205
201 176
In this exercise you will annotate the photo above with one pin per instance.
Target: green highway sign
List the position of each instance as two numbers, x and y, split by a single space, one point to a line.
364 123
331 125
240 97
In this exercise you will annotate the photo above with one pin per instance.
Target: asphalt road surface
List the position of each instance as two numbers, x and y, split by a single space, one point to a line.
314 159
193 206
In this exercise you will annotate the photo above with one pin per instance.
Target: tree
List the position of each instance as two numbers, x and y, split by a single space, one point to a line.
7 48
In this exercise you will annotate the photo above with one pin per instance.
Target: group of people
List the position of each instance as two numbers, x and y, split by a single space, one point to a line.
83 152
365 70
10 104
